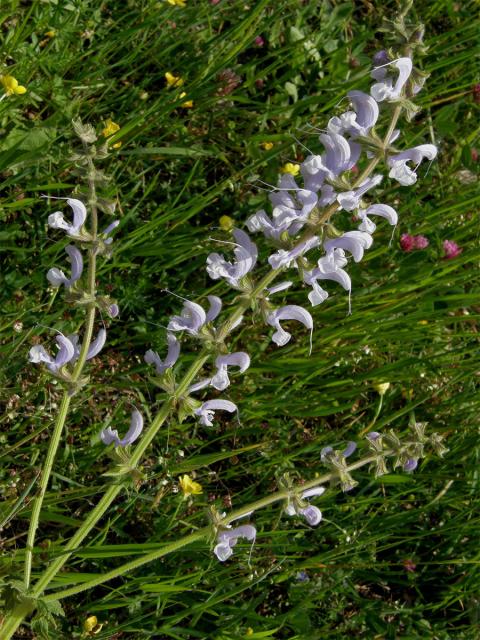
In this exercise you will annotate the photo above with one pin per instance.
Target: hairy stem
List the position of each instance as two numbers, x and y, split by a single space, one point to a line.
278 496
66 399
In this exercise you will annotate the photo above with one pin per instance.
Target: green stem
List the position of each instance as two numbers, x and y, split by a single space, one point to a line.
66 399
150 434
200 534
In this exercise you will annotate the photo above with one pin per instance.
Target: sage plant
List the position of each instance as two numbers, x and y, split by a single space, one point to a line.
311 243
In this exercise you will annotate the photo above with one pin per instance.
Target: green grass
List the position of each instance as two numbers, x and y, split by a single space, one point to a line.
415 322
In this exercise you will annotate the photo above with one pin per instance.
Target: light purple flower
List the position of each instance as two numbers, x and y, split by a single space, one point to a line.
193 317
350 200
152 357
207 411
66 353
289 312
340 155
226 540
106 232
367 111
56 277
410 465
312 514
239 359
283 258
355 242
399 169
383 210
245 259
386 90
113 310
57 221
329 268
95 347
109 435
281 286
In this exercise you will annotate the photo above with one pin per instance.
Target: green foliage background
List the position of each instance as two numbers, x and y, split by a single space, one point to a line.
414 322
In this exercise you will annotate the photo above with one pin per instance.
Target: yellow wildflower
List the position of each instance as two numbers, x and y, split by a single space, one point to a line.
92 626
382 387
188 104
11 86
173 81
423 322
267 145
249 632
189 486
111 127
293 169
51 34
226 223
177 3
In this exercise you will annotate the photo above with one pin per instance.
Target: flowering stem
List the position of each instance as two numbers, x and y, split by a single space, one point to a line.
164 412
205 532
66 399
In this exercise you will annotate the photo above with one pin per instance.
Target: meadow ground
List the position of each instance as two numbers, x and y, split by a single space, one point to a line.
397 557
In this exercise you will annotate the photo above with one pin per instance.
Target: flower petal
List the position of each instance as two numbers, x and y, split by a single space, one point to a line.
215 308
97 345
366 108
312 515
76 262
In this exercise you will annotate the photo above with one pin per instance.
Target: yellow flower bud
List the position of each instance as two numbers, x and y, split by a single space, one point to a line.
188 104
177 3
51 34
267 145
226 223
92 626
293 169
173 81
382 387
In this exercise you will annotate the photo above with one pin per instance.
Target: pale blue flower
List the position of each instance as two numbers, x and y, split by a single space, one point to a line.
329 268
340 154
359 122
410 465
109 435
66 353
281 286
289 312
383 210
386 90
355 242
400 170
283 258
239 359
207 411
152 357
350 200
193 317
56 277
226 540
113 310
312 514
108 230
245 259
57 221
95 347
